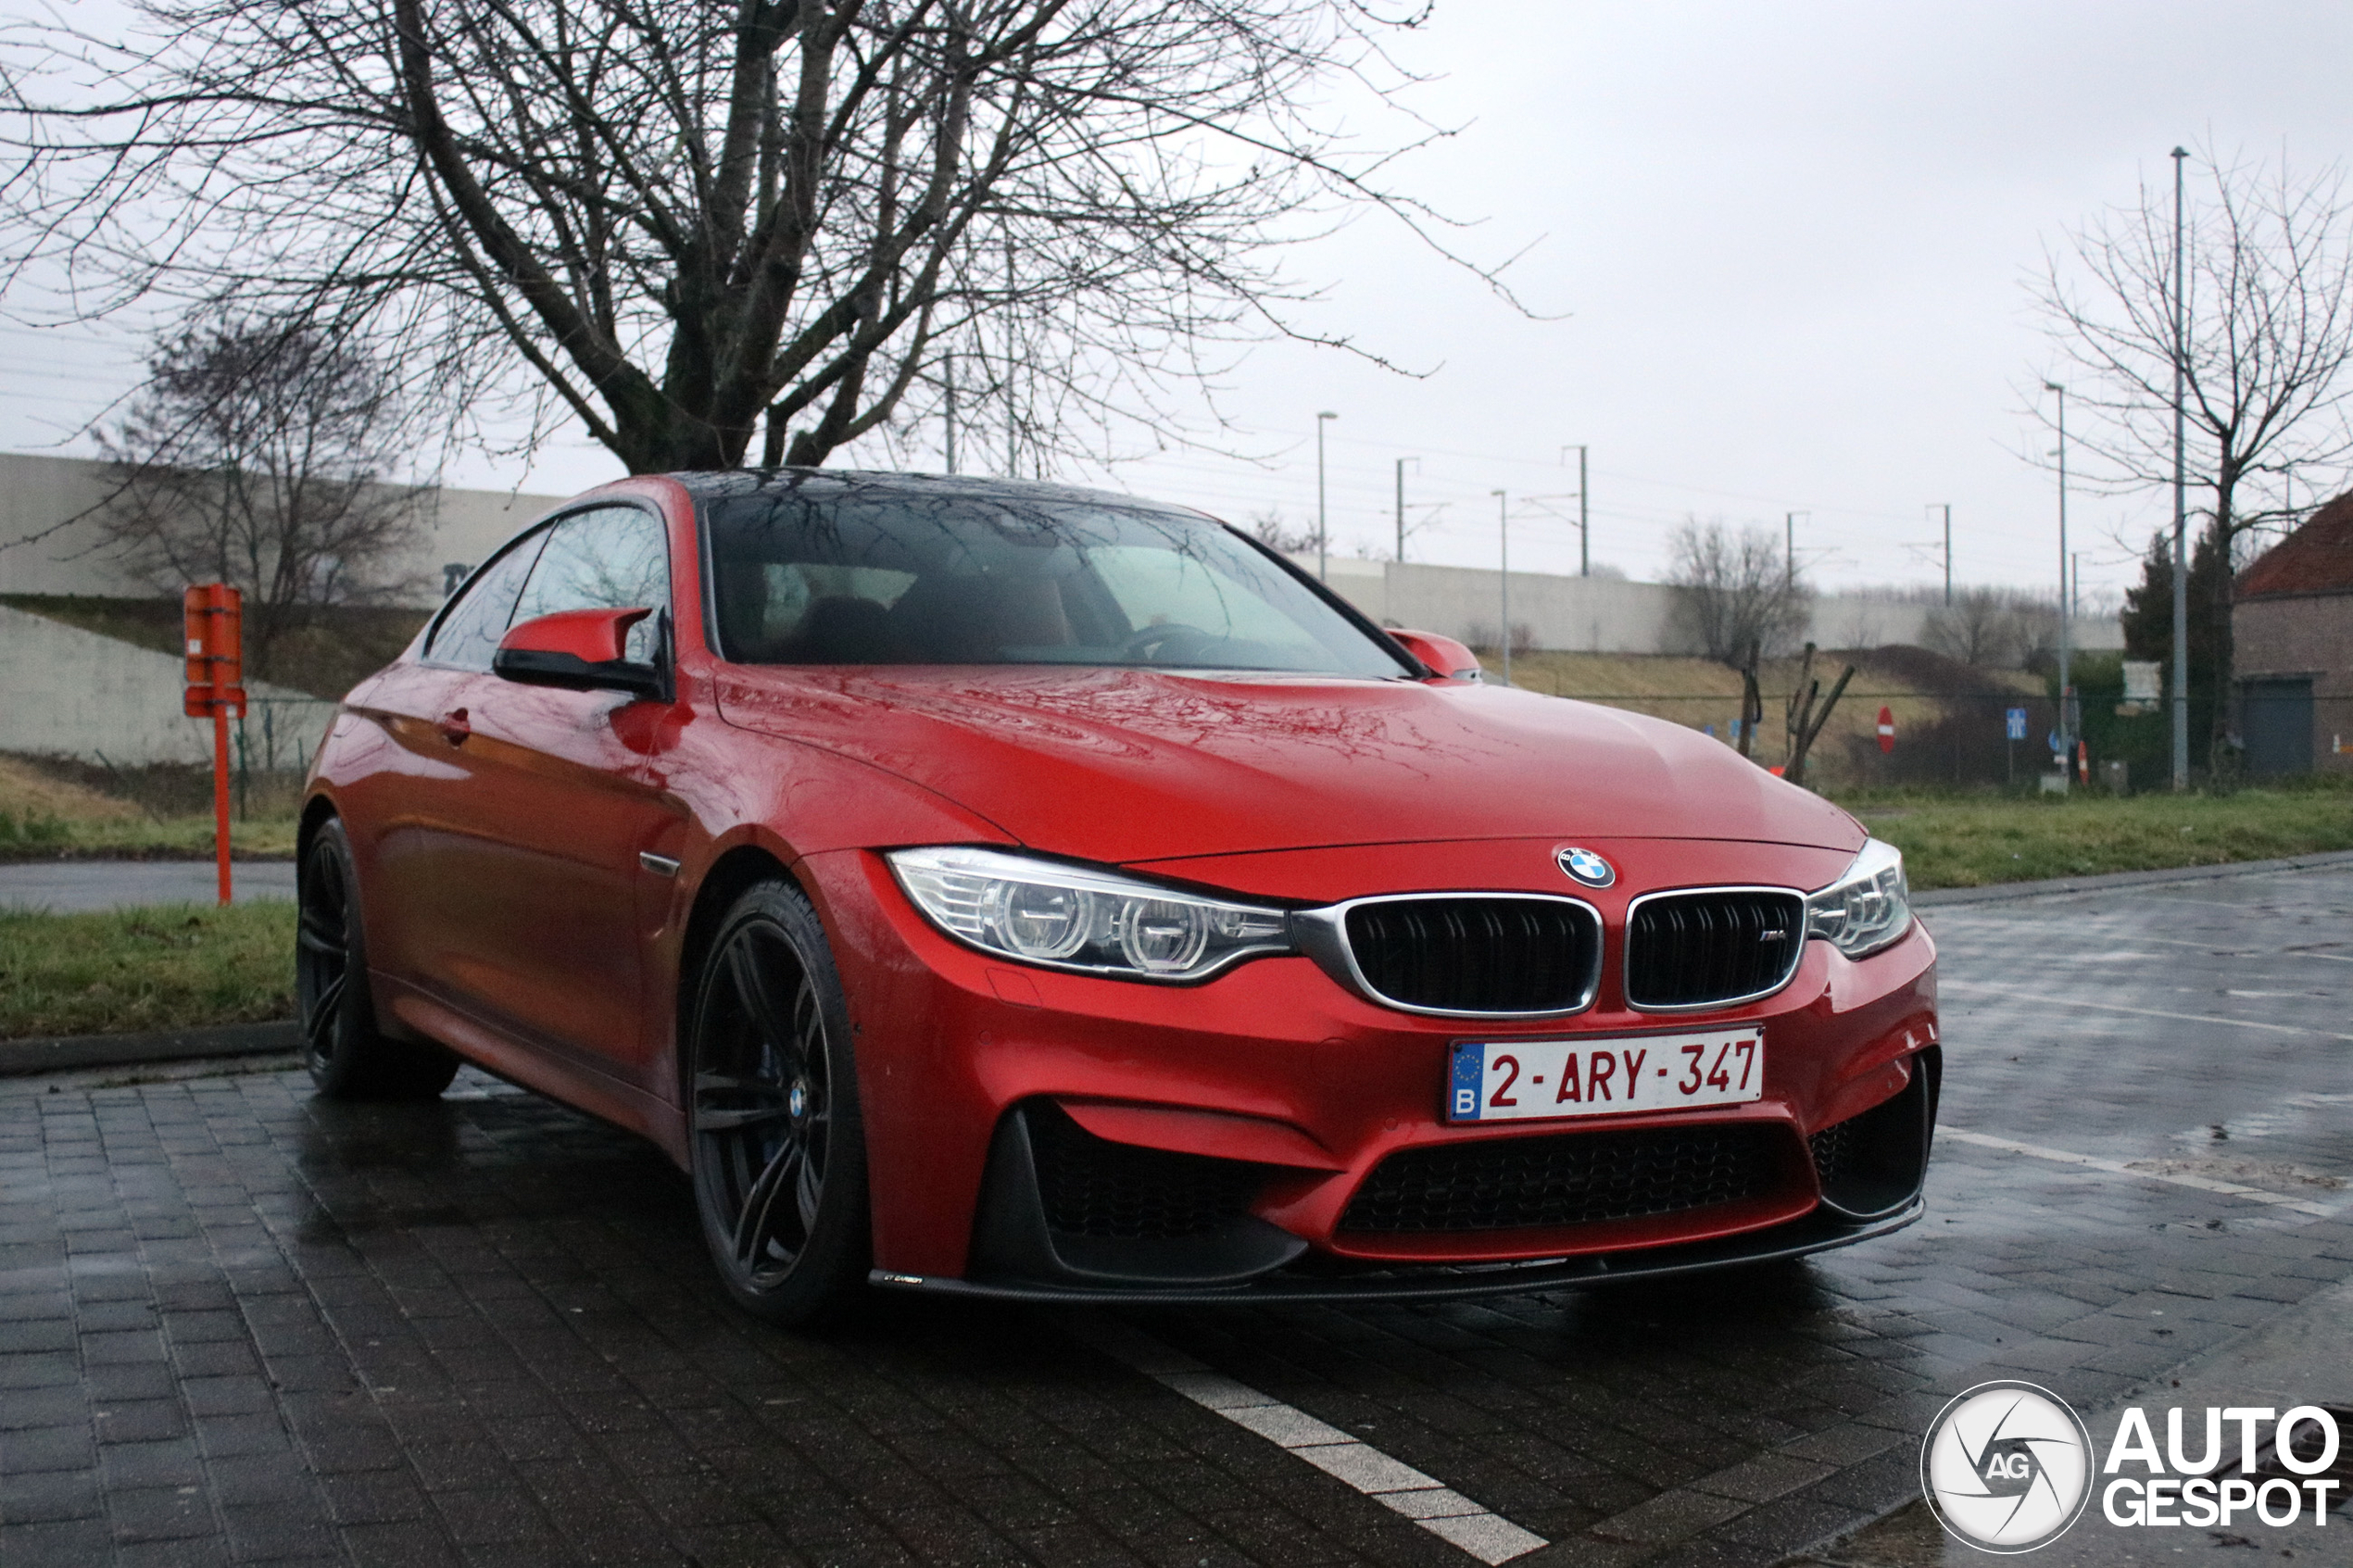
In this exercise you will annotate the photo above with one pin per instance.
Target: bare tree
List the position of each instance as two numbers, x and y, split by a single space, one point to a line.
255 455
1992 628
681 222
1736 595
2269 297
1272 532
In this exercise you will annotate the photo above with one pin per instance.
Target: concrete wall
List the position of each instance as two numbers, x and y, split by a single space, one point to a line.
73 692
39 493
1603 614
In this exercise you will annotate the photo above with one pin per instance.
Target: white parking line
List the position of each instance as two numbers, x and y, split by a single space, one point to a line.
1444 1513
2118 1167
2139 1012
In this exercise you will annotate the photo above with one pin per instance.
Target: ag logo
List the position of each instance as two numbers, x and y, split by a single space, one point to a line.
1587 867
2007 1467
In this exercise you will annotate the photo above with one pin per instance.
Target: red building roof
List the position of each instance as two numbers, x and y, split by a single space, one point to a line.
2316 559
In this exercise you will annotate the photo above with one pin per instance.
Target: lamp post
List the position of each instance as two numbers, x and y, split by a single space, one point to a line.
1584 515
1322 528
2065 735
2181 502
1503 532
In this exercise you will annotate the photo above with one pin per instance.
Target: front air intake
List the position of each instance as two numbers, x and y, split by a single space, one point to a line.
1567 1179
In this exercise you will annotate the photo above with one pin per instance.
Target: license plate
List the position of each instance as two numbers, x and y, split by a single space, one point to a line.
1518 1080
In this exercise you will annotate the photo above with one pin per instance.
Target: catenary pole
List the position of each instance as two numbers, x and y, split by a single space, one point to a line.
1323 529
1401 505
1584 514
1504 533
1946 507
2181 498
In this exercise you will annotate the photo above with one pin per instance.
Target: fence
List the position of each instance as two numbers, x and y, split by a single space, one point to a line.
1964 738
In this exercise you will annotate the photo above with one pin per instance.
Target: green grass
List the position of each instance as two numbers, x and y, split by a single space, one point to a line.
170 967
1965 841
178 838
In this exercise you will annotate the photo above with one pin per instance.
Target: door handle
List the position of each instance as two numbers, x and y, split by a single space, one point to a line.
453 726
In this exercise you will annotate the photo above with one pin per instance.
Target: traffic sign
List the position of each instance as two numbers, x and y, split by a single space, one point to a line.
2018 723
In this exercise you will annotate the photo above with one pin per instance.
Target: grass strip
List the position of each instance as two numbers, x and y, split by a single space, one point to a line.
1976 843
173 966
36 837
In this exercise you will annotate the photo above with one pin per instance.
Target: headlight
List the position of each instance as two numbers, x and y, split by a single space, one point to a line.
1068 917
1865 909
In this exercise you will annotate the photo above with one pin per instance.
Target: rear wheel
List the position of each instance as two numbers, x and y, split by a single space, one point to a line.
349 1058
778 1156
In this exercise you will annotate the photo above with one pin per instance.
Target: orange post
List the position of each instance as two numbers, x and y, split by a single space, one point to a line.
213 620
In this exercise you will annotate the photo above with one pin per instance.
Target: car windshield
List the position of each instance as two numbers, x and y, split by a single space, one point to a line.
831 569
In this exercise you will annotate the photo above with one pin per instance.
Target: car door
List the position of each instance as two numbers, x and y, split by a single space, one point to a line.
411 817
528 908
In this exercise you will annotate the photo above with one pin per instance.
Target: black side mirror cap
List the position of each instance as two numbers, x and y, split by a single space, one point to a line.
532 667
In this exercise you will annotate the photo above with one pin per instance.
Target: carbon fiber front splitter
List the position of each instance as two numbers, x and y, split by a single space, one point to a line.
1818 1232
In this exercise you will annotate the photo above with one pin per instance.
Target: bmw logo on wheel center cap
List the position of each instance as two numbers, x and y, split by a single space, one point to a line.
1587 867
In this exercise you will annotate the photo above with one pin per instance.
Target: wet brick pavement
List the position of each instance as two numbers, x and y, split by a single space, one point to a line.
241 1325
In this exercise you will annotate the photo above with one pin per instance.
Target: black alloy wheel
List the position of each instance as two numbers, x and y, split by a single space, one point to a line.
348 1056
777 1153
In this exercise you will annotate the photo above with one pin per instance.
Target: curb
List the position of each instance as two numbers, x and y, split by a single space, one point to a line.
65 1053
2000 890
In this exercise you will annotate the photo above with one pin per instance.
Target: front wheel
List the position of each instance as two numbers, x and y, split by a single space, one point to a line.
347 1055
778 1156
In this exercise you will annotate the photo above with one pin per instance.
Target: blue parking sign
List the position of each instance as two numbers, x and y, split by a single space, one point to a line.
2018 723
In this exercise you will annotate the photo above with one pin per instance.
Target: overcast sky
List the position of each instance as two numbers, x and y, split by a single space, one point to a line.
1784 243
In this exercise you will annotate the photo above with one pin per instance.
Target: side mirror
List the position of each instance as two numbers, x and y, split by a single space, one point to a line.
581 650
1445 655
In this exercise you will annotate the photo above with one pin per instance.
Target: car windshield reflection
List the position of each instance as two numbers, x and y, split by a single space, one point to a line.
835 570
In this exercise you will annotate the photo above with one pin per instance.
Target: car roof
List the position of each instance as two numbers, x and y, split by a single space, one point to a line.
727 483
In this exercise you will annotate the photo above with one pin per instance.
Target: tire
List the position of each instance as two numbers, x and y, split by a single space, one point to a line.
777 1149
347 1055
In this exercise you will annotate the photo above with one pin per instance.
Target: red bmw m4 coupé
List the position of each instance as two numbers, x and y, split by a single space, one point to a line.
1015 891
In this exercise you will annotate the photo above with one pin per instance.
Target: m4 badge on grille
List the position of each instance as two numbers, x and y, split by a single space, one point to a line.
1587 867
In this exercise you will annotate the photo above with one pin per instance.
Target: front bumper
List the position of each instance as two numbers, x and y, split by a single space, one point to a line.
1275 1070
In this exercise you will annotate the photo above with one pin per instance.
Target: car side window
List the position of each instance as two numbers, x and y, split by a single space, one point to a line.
469 630
613 558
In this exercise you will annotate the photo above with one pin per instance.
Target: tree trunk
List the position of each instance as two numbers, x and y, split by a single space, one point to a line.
2219 753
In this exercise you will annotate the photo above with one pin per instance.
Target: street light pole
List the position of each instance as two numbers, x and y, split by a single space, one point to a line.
2065 735
2181 501
1504 529
1788 554
1584 516
1322 528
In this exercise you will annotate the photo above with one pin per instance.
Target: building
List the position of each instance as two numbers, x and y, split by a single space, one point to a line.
2292 633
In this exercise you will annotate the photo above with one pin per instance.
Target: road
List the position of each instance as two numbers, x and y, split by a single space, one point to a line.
71 886
237 1323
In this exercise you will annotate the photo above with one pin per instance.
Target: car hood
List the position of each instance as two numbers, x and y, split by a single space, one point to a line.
1127 765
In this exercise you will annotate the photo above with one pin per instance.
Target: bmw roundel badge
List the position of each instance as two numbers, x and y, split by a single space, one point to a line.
1587 867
